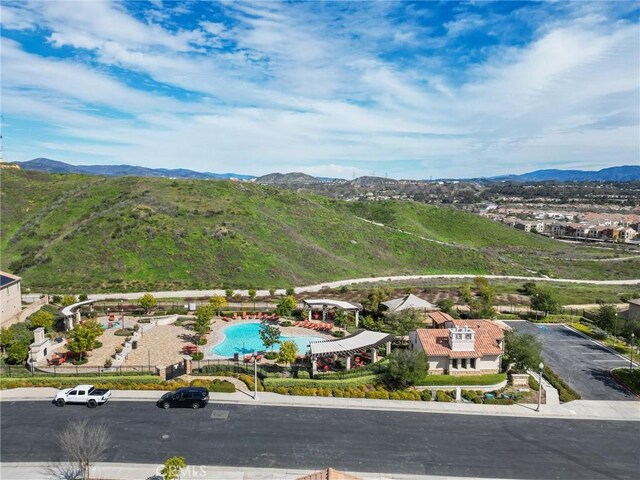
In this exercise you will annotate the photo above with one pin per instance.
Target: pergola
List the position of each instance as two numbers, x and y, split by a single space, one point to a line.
72 312
324 303
357 343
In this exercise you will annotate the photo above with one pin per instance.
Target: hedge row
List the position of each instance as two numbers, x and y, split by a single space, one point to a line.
21 373
565 392
214 385
361 391
377 368
346 382
117 383
489 379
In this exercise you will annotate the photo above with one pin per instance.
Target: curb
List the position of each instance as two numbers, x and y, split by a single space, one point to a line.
606 347
621 382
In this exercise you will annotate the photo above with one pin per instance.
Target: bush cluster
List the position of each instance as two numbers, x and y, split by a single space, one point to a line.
140 382
533 383
216 385
475 396
319 383
248 380
498 401
303 375
442 396
197 356
488 379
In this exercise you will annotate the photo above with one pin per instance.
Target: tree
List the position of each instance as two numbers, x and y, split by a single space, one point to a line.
606 317
480 304
272 292
375 297
83 337
446 305
523 350
252 296
218 302
68 300
6 338
544 300
406 367
147 302
17 353
202 325
288 352
83 297
528 288
228 293
403 322
290 291
269 335
286 306
56 299
42 318
172 468
84 444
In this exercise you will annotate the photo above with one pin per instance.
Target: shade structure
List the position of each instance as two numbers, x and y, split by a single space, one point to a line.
317 303
357 342
409 301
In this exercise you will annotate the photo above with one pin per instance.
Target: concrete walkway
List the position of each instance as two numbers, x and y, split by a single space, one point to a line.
131 471
578 409
354 281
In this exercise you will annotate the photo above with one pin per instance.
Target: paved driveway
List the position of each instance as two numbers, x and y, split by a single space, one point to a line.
582 363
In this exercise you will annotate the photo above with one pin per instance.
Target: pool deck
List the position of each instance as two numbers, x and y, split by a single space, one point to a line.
217 335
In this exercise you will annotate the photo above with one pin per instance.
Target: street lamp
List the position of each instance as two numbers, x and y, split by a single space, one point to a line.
255 376
122 313
541 366
615 329
536 296
631 356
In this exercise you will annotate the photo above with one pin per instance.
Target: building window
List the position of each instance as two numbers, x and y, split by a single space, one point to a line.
454 363
473 363
458 336
467 336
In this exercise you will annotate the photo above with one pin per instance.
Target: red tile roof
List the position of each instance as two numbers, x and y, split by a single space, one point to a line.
439 318
435 341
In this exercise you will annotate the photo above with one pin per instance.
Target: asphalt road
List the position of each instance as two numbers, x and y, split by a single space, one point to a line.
356 440
580 362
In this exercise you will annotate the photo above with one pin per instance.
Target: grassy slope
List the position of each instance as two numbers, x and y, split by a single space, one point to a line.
95 233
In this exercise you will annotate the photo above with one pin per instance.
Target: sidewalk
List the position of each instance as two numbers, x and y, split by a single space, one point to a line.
133 471
578 409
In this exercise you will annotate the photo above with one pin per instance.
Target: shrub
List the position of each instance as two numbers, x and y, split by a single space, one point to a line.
201 341
498 401
426 395
443 397
144 320
123 332
303 374
338 334
178 323
323 392
108 363
248 380
197 356
337 392
271 355
222 386
533 383
281 390
80 361
285 323
488 379
118 348
136 327
200 383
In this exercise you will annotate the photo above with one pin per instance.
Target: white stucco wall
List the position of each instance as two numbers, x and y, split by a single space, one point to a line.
11 301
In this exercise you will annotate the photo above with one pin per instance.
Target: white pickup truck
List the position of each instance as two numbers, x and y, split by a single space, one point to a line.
86 394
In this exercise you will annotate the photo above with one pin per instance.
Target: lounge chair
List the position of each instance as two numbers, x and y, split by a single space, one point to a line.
235 315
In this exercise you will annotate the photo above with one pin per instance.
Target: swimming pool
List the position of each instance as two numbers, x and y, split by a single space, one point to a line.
245 338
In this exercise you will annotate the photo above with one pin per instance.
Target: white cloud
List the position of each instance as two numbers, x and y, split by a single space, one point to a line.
309 90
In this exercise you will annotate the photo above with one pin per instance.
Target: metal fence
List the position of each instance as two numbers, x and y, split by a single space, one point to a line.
213 367
75 370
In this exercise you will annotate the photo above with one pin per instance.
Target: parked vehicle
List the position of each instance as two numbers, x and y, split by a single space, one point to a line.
193 397
86 394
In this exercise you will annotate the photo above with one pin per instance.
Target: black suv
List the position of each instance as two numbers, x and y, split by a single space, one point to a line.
194 397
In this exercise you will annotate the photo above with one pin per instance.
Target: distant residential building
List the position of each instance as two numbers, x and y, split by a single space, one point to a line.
634 309
624 234
10 296
464 347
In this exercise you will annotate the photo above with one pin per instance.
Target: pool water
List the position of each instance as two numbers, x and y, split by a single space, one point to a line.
245 339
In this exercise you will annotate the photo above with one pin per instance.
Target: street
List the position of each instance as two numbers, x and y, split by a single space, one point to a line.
356 440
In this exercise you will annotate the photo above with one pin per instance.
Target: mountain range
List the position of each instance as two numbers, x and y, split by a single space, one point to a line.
623 173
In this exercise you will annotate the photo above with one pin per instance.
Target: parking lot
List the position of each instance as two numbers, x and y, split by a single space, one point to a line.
582 363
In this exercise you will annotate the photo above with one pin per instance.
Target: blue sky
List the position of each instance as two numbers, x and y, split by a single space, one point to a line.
406 89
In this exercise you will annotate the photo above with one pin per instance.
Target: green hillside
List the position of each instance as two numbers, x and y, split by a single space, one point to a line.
88 233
